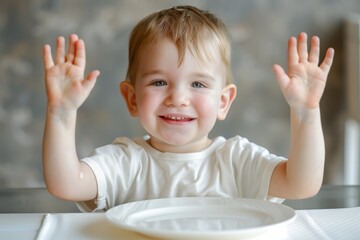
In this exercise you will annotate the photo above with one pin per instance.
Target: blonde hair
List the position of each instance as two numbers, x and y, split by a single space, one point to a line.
188 27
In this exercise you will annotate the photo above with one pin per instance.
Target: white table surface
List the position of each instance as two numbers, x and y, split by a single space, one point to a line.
341 223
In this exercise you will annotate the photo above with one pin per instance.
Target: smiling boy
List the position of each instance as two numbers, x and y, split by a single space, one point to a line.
177 105
179 84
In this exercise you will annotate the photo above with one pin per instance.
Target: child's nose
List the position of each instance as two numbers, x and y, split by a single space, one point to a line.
177 97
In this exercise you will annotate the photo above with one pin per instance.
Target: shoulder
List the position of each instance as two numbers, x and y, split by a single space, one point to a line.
120 144
236 142
122 149
240 147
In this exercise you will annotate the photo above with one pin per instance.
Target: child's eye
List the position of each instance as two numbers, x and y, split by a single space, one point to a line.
159 83
197 85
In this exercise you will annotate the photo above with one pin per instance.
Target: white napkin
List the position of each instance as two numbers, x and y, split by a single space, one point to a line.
47 227
341 223
81 226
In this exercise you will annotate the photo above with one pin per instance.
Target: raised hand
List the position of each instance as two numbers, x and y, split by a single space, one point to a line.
305 81
66 86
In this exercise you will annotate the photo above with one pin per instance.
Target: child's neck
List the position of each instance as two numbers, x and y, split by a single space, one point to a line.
197 146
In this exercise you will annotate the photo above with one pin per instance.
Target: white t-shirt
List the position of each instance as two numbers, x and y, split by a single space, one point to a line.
132 170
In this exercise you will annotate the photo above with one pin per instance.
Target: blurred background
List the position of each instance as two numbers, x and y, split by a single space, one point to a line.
260 30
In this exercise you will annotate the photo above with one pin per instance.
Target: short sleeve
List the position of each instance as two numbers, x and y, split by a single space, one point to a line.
115 167
255 167
98 204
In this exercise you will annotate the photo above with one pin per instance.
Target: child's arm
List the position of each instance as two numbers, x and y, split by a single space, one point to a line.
65 176
301 176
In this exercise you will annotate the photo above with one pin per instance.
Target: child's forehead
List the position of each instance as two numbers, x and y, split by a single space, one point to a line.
202 54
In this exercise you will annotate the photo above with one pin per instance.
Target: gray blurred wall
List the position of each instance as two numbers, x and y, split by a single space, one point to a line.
260 30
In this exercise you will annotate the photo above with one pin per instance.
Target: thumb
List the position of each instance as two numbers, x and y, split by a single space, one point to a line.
281 77
90 80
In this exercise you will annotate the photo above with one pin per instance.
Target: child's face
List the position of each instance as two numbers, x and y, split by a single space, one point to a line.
178 105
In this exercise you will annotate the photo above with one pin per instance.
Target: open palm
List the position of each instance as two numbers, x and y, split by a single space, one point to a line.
305 82
66 87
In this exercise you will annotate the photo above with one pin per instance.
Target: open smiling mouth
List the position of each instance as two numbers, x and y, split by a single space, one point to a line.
171 118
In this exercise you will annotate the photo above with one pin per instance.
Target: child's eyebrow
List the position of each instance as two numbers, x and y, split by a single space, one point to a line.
153 72
202 75
191 75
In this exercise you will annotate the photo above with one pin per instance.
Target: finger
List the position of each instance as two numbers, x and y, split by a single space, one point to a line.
293 56
71 51
281 77
80 54
315 50
302 47
48 61
328 60
60 50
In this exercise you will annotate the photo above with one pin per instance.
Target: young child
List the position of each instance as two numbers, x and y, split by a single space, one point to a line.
179 84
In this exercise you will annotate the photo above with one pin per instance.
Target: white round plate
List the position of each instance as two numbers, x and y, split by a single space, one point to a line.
200 217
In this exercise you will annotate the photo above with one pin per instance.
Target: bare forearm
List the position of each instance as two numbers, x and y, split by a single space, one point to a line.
305 166
62 169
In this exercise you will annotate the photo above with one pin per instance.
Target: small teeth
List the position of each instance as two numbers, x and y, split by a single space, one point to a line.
175 118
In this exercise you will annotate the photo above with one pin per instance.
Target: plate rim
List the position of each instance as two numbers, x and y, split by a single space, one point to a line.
201 234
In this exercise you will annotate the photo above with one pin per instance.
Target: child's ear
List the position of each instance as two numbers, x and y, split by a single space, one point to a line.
128 92
227 97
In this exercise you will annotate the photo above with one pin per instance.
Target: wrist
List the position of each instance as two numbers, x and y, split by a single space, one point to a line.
60 113
305 114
